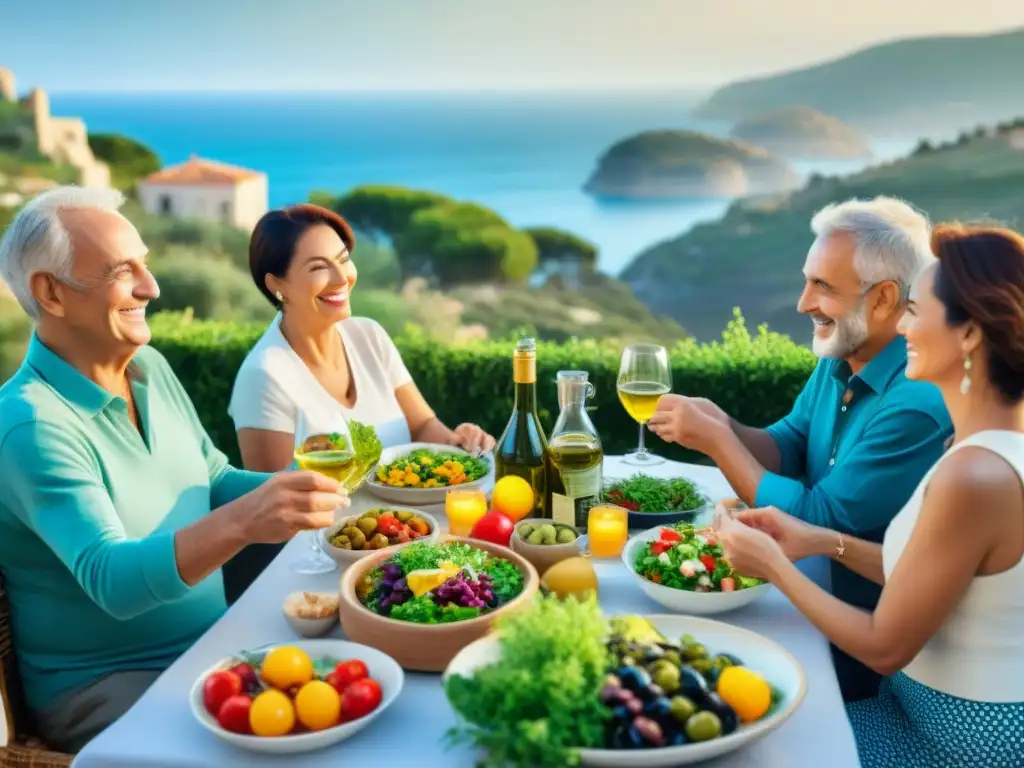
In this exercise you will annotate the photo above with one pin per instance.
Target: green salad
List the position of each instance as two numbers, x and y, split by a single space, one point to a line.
643 493
684 557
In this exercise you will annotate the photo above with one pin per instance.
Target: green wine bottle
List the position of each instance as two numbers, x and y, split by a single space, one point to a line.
522 449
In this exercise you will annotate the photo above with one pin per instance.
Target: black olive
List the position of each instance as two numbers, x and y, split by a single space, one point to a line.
620 738
650 731
634 678
732 659
621 713
658 708
725 713
692 683
677 739
635 739
649 692
712 675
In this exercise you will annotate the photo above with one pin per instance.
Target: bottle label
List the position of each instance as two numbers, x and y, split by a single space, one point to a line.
582 491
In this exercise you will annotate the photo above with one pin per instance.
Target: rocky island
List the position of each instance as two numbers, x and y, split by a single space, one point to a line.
801 132
678 164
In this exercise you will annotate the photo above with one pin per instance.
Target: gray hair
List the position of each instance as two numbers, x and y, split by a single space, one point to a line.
893 238
37 241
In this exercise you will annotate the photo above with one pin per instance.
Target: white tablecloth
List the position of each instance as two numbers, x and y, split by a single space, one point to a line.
160 730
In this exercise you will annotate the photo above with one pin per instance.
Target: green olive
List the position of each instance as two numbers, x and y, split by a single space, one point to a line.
682 708
703 726
357 537
525 531
371 514
694 651
367 525
666 677
403 517
673 657
379 541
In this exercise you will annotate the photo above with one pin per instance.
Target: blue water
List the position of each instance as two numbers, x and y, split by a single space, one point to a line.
525 155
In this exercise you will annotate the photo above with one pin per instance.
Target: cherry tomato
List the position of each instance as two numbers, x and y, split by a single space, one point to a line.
495 527
709 562
351 670
250 682
389 525
218 688
670 536
234 714
360 699
336 681
728 584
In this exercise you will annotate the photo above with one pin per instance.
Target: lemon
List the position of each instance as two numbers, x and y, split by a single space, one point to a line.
286 666
746 692
425 579
513 496
318 705
573 576
271 714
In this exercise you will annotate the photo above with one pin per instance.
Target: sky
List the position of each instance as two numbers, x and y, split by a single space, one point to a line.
318 45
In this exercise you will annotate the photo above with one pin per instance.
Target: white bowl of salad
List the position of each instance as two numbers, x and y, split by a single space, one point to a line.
683 568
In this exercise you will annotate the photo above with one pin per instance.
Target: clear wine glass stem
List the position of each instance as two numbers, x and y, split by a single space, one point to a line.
641 447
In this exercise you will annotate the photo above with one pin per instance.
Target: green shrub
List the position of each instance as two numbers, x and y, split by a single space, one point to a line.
15 329
755 377
130 161
212 287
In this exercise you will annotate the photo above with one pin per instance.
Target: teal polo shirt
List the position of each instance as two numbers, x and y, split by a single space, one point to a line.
88 511
850 462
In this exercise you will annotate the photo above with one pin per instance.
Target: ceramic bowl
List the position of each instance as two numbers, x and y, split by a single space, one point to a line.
382 668
308 627
423 647
347 556
543 556
641 521
683 600
417 497
757 652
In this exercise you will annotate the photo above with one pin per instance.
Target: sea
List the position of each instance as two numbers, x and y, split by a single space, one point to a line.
524 154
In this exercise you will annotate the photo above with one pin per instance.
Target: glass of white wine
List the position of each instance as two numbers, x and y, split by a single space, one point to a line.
323 445
644 376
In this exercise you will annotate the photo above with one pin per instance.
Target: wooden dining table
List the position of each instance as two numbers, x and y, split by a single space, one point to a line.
160 730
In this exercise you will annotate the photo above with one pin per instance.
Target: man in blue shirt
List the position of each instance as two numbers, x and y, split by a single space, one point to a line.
861 435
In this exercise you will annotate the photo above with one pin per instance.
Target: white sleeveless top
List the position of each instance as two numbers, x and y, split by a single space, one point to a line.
275 390
978 652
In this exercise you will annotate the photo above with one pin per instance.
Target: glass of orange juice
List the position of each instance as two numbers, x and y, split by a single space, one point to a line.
464 506
607 530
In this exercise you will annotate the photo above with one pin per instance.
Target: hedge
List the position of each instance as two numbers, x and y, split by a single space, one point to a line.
754 377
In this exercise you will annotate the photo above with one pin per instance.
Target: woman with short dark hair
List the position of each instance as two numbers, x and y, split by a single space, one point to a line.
949 627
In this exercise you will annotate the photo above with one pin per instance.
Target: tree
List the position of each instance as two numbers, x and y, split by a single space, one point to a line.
558 245
130 161
385 211
465 243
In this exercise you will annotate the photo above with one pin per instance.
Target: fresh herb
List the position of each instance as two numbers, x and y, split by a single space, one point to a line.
643 493
416 557
539 702
506 578
423 610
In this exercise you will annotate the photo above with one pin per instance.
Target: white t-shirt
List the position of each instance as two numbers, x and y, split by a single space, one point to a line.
274 388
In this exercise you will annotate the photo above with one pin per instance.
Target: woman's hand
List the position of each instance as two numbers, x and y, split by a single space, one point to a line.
797 538
749 550
472 438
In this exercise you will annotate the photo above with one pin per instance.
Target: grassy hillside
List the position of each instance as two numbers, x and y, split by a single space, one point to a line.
802 132
929 84
752 257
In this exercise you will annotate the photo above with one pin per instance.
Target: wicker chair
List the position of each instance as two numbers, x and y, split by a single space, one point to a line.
23 751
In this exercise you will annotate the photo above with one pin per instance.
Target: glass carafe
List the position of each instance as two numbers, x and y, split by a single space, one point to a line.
576 455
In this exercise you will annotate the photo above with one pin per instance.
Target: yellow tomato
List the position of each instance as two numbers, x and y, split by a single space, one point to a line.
286 666
513 496
746 692
318 705
271 714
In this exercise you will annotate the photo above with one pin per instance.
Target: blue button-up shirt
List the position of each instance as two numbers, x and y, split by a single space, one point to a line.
854 448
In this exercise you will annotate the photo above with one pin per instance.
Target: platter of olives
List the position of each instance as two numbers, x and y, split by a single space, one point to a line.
545 543
377 528
546 534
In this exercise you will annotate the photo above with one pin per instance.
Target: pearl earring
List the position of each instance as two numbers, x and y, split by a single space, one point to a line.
965 382
279 297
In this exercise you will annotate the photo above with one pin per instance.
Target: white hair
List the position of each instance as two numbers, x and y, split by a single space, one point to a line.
37 241
893 238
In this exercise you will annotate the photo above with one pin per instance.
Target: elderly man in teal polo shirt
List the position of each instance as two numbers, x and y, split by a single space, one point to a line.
861 435
116 510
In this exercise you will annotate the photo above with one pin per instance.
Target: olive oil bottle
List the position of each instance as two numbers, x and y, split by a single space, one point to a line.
523 447
576 477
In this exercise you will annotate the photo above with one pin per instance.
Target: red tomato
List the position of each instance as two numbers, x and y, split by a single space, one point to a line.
728 584
710 538
250 682
495 527
668 535
388 525
336 681
234 714
360 699
350 670
659 546
218 688
709 562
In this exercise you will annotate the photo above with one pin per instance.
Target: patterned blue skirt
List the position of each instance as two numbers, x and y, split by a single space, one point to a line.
910 725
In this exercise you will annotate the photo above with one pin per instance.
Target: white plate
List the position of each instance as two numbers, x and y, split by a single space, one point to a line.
760 654
683 600
413 497
382 668
347 556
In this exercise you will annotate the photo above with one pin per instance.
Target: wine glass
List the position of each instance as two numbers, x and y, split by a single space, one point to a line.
644 376
322 444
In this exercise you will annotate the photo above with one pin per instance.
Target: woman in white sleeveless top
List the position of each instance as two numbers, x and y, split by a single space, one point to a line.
949 628
316 359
